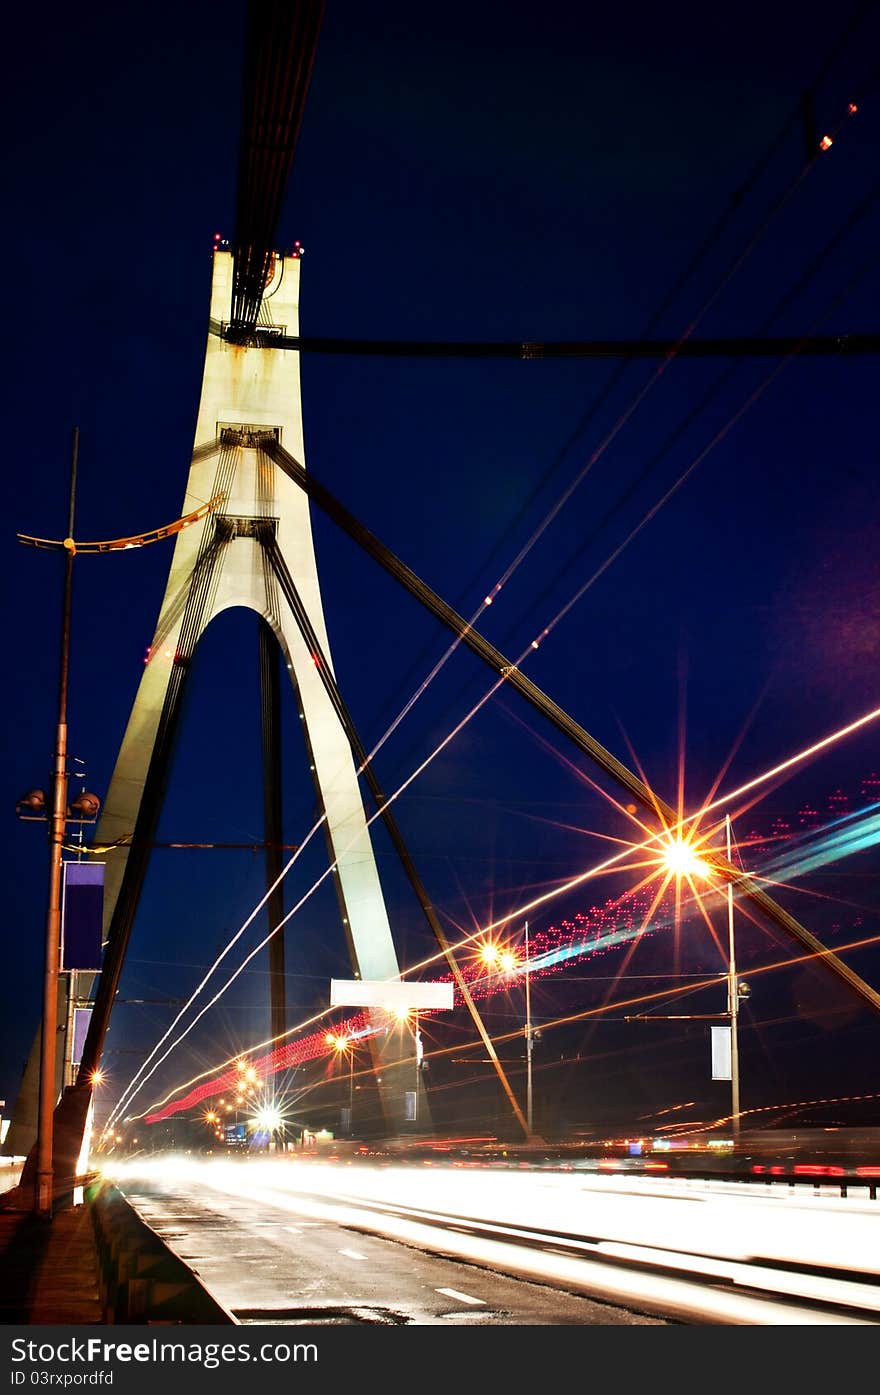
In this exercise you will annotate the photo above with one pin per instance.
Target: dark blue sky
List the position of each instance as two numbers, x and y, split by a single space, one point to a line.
519 172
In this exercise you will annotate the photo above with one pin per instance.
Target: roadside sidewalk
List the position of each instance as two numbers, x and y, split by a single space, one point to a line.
49 1269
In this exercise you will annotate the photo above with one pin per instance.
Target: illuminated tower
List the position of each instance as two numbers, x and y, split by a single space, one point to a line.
248 393
254 550
249 552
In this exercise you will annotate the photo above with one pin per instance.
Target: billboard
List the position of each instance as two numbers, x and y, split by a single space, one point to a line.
391 994
82 915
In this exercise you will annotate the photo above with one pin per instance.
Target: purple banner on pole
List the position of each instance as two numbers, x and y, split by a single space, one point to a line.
82 915
81 1019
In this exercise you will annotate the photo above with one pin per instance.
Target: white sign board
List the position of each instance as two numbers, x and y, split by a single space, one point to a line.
390 993
721 1056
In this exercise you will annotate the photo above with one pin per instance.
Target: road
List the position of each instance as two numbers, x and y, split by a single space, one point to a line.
302 1240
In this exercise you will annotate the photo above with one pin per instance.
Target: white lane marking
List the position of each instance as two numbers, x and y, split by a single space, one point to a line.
294 1229
462 1297
352 1254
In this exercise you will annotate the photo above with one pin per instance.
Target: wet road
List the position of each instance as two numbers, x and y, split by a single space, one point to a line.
274 1264
290 1239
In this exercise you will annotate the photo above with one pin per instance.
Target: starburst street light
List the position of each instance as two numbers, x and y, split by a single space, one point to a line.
267 1119
496 956
680 858
345 1046
505 960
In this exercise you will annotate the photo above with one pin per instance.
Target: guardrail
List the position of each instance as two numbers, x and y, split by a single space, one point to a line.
141 1280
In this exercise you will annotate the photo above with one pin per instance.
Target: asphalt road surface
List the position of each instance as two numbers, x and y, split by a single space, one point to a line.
291 1241
270 1264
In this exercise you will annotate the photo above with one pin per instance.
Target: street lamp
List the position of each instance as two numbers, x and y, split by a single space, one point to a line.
505 960
681 859
736 992
529 1036
346 1045
84 810
44 1181
404 1015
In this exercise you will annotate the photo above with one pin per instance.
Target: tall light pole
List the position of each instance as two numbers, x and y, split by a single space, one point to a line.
419 1052
732 1000
44 1181
529 1040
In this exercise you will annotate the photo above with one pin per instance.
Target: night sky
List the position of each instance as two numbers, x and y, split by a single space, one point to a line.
511 172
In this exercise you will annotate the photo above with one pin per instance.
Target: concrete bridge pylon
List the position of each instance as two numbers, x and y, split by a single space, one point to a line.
250 395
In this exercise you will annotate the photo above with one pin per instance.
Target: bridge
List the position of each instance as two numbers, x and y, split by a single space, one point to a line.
698 888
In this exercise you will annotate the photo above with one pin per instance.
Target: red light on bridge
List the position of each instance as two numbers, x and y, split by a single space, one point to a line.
817 1170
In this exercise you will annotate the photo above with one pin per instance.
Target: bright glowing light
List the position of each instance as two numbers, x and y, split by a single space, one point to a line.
679 858
97 1077
250 1073
495 957
267 1118
401 1013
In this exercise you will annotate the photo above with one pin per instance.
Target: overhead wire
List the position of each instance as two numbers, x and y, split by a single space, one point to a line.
860 14
607 440
531 905
544 633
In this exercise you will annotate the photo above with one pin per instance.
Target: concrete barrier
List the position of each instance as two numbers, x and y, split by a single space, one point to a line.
141 1280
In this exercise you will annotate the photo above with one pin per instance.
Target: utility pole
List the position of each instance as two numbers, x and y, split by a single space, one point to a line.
417 1042
732 1001
44 1182
529 1040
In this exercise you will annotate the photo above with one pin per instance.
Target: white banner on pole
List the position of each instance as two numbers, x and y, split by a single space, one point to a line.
721 1057
391 994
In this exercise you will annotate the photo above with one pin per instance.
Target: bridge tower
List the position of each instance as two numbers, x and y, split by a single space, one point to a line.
250 394
256 551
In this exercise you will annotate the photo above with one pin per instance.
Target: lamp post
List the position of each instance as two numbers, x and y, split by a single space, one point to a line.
529 1039
44 1181
44 1172
681 859
733 996
504 960
345 1045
